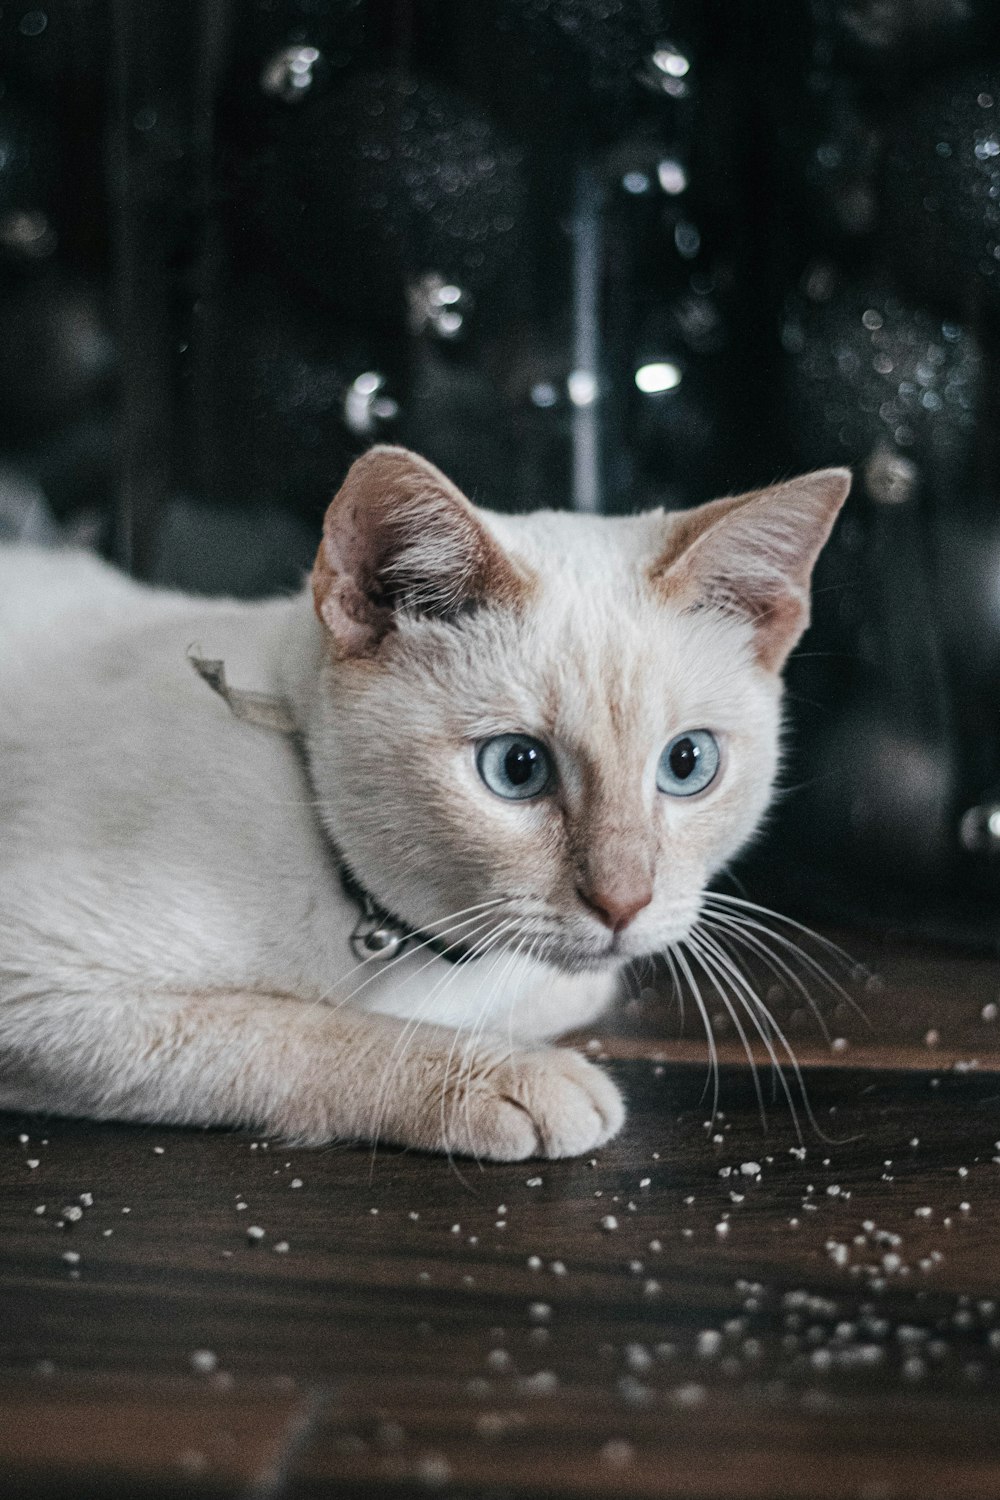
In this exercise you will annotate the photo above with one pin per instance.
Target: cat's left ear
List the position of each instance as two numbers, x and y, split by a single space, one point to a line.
752 556
399 535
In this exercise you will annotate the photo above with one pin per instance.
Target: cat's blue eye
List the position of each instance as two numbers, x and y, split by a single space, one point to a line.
688 764
515 766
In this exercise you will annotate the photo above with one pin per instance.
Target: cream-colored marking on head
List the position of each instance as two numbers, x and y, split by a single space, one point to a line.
602 638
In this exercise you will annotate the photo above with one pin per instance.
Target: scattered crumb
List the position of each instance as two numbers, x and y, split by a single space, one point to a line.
688 1395
433 1470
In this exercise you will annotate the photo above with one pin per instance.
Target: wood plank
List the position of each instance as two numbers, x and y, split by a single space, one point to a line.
578 1443
893 1004
840 1332
82 1437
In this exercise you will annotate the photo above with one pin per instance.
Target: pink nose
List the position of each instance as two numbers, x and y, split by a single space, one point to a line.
616 910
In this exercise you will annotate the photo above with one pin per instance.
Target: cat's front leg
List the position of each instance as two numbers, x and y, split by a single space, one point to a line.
304 1072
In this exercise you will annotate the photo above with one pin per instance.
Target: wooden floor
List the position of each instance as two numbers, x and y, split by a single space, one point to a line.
705 1309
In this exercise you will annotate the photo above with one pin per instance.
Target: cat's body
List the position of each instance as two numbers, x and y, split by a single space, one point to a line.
174 929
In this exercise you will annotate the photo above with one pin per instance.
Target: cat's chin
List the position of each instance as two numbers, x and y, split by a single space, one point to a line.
583 958
589 958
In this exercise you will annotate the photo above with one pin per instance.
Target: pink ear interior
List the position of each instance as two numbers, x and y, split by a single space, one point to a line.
753 556
399 529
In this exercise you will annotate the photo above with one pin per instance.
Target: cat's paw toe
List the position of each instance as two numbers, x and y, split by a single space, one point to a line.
546 1103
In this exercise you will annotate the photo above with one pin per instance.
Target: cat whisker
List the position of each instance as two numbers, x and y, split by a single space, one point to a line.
756 1008
479 914
529 960
468 1034
479 1026
471 927
739 920
439 989
727 932
478 950
713 972
831 947
677 988
685 968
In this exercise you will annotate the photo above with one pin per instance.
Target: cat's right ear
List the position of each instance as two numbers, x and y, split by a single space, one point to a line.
399 535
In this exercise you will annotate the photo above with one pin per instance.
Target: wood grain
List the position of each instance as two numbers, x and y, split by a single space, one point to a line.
666 1318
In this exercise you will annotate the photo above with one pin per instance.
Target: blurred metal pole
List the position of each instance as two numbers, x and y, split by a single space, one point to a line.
202 381
585 378
141 160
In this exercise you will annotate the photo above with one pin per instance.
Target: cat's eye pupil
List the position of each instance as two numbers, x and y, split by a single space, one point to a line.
520 763
684 758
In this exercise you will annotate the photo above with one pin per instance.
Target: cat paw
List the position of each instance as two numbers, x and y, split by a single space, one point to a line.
550 1102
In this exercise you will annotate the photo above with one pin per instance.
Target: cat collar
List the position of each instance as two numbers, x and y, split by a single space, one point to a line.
379 936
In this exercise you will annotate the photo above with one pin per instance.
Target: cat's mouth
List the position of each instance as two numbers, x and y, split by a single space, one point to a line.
576 953
576 957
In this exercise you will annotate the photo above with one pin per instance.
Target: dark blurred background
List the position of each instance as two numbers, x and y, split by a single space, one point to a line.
597 253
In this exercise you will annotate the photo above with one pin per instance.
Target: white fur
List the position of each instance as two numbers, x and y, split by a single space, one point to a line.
173 932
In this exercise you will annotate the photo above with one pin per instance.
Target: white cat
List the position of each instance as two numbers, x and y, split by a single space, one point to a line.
526 740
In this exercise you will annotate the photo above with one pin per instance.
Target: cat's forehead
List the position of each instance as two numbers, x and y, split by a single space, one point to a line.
617 664
594 654
597 657
591 547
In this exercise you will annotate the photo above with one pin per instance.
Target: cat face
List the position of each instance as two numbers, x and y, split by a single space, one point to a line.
547 732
